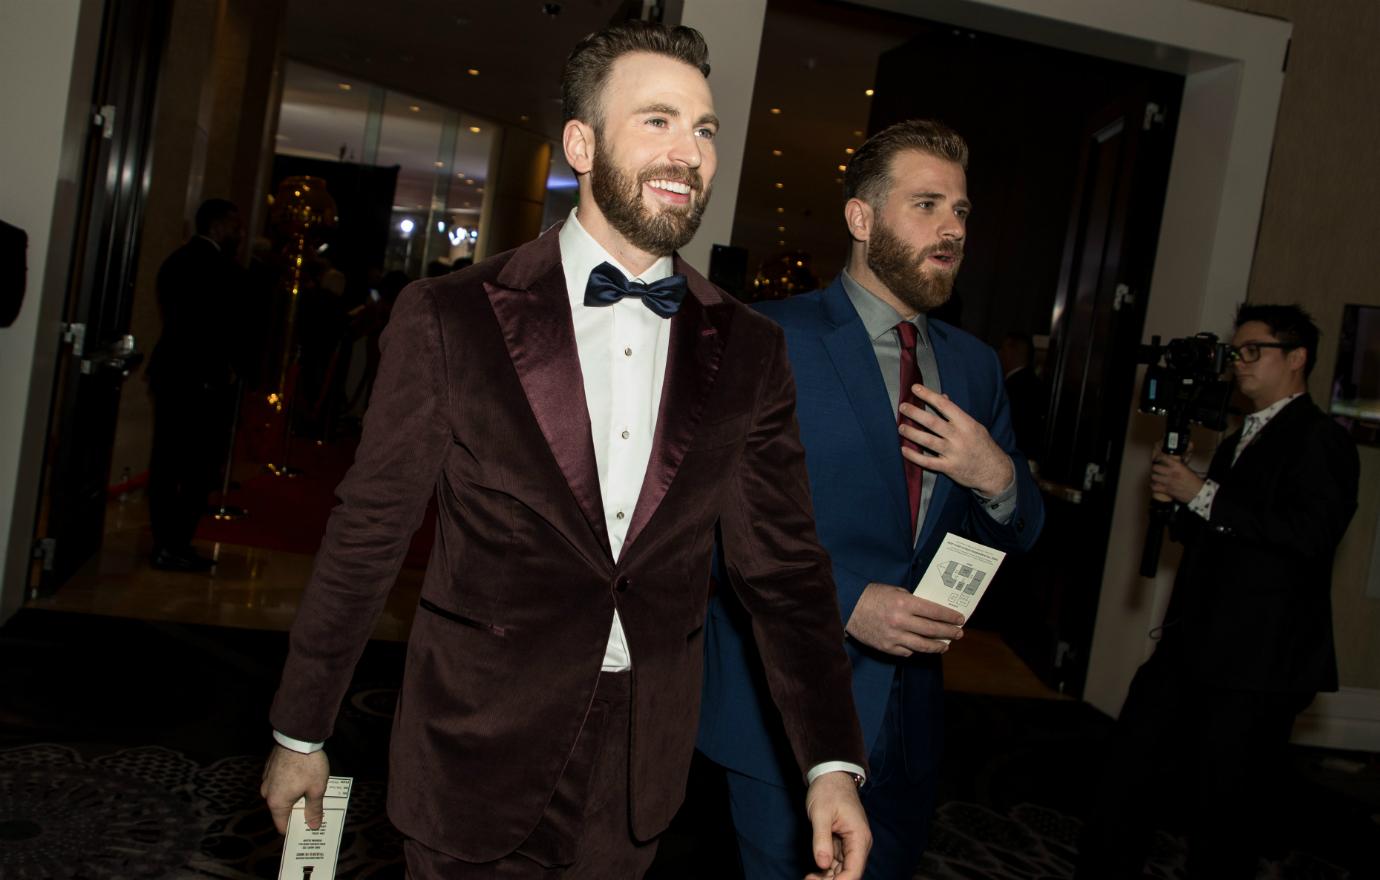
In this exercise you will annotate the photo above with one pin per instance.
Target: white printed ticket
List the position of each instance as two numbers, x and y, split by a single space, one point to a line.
312 855
959 574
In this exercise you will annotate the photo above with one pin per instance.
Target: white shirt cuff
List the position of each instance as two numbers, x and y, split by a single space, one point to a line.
1201 503
297 745
832 766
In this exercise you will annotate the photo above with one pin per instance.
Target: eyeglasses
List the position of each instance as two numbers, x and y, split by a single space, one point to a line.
1250 352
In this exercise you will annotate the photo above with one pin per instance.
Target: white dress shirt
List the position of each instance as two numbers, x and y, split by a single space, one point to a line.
622 351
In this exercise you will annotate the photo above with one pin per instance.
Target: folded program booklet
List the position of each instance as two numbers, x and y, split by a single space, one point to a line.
959 574
312 855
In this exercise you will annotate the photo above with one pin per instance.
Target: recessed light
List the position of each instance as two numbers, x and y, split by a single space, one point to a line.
473 71
868 92
345 87
848 150
523 118
479 189
474 129
439 164
780 229
415 108
780 185
469 180
857 134
780 210
776 111
776 152
843 167
782 243
838 180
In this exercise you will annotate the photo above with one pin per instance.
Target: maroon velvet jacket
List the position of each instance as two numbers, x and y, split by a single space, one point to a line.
479 403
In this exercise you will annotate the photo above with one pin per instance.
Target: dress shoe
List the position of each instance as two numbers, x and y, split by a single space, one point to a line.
165 559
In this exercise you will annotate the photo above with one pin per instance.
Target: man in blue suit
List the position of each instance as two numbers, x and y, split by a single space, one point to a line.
890 475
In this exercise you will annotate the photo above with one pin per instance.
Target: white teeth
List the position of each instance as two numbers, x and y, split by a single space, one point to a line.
670 186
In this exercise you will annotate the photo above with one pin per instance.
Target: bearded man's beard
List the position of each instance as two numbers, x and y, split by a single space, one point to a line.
906 272
619 197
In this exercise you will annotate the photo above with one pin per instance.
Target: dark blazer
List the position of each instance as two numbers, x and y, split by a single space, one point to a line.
201 299
479 404
853 453
1252 603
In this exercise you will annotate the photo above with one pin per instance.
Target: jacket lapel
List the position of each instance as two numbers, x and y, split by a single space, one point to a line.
692 364
529 300
855 362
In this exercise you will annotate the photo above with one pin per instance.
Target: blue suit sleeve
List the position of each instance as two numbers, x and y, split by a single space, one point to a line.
1020 531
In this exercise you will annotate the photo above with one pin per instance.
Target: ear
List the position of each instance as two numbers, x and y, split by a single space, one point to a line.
857 216
1297 358
577 139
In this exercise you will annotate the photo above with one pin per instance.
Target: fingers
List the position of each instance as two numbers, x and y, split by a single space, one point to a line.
315 808
823 843
935 611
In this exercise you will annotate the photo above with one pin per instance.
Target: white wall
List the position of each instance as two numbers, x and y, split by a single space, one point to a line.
42 42
733 30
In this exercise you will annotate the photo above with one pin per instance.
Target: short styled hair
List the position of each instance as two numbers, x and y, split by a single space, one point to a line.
1289 324
592 59
869 171
211 212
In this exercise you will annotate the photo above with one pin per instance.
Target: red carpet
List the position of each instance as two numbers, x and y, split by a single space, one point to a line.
289 514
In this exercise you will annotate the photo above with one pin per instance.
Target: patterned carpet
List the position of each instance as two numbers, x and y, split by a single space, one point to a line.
133 750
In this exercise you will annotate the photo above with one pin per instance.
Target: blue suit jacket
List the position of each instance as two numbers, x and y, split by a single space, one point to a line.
853 453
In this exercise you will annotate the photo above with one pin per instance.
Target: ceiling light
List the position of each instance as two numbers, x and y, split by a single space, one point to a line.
780 229
782 243
474 129
469 180
523 118
868 92
780 210
776 152
857 134
345 87
415 108
776 111
848 150
780 185
473 71
439 164
843 167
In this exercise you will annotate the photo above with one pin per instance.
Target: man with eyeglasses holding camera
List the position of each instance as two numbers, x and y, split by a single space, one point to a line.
1247 640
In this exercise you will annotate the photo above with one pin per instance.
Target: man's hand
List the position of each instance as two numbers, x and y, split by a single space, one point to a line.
1170 475
963 450
287 776
898 622
841 836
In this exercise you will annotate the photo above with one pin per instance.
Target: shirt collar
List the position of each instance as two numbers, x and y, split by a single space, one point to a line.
581 254
1260 417
878 318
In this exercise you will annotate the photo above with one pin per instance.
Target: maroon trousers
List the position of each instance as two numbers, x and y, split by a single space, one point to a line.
584 831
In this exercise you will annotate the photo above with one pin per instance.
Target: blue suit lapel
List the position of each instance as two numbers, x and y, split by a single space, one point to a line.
953 380
850 349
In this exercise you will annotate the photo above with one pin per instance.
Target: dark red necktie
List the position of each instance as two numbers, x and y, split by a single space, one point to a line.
910 375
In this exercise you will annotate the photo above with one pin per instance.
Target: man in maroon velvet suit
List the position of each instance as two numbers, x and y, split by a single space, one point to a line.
584 410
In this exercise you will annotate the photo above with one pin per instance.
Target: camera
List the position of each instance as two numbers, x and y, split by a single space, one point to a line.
1184 384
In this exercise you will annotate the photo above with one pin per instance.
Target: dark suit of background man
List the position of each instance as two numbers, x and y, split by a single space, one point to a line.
882 506
1026 392
581 435
192 377
1247 640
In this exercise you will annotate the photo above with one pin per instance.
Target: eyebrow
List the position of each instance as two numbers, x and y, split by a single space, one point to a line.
668 110
940 197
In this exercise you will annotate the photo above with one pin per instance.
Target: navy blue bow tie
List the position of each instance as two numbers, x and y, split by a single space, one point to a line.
607 285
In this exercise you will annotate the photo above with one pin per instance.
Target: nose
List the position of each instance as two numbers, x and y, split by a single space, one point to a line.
687 150
953 228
